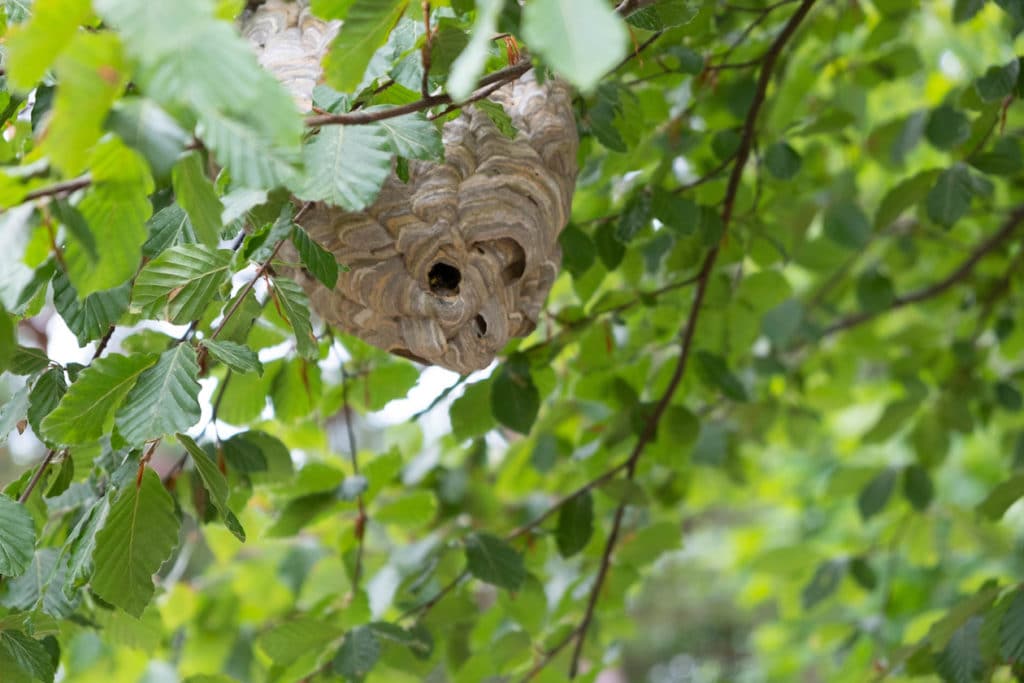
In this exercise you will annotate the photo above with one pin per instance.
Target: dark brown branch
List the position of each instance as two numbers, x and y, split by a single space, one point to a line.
59 188
690 326
962 272
608 475
354 118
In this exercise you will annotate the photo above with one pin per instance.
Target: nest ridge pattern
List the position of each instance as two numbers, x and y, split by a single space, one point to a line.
447 267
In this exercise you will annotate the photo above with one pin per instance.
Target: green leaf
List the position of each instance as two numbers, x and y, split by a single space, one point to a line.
295 306
89 318
961 660
358 653
238 357
27 361
215 483
874 291
1015 8
964 10
494 561
578 250
149 130
92 75
918 487
414 137
27 654
1003 159
196 195
165 399
998 81
466 69
367 26
575 525
254 158
1000 498
950 197
410 510
320 262
13 411
863 574
947 127
715 373
846 225
904 195
87 410
345 166
1008 396
17 537
291 639
139 535
635 216
471 413
581 39
169 227
41 587
46 394
33 46
824 583
515 400
663 14
182 281
173 42
874 496
1011 629
8 341
82 543
116 208
782 161
499 117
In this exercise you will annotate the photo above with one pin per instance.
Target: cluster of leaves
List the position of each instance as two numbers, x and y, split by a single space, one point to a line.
788 294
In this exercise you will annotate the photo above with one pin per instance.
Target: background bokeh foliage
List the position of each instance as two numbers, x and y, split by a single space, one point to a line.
769 427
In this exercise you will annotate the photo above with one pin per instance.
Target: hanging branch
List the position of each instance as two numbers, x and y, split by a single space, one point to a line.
960 273
690 326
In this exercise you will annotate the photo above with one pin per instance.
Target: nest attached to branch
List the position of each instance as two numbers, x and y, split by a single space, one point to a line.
447 267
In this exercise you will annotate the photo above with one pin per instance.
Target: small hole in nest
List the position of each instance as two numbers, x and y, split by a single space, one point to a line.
481 325
444 279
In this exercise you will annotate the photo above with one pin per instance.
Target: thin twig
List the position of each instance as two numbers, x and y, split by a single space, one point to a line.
506 75
428 45
424 607
34 481
353 454
440 397
959 274
59 188
690 327
549 655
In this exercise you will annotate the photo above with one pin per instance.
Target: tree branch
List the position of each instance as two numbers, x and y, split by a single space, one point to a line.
960 273
59 188
690 326
360 529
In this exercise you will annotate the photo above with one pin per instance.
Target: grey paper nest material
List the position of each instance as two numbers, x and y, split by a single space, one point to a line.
446 268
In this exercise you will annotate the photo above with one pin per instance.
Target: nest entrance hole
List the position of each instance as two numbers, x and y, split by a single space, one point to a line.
444 279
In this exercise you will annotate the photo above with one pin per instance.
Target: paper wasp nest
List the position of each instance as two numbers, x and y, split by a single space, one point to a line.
446 268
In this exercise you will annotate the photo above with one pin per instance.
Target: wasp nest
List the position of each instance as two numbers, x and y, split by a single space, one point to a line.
447 267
